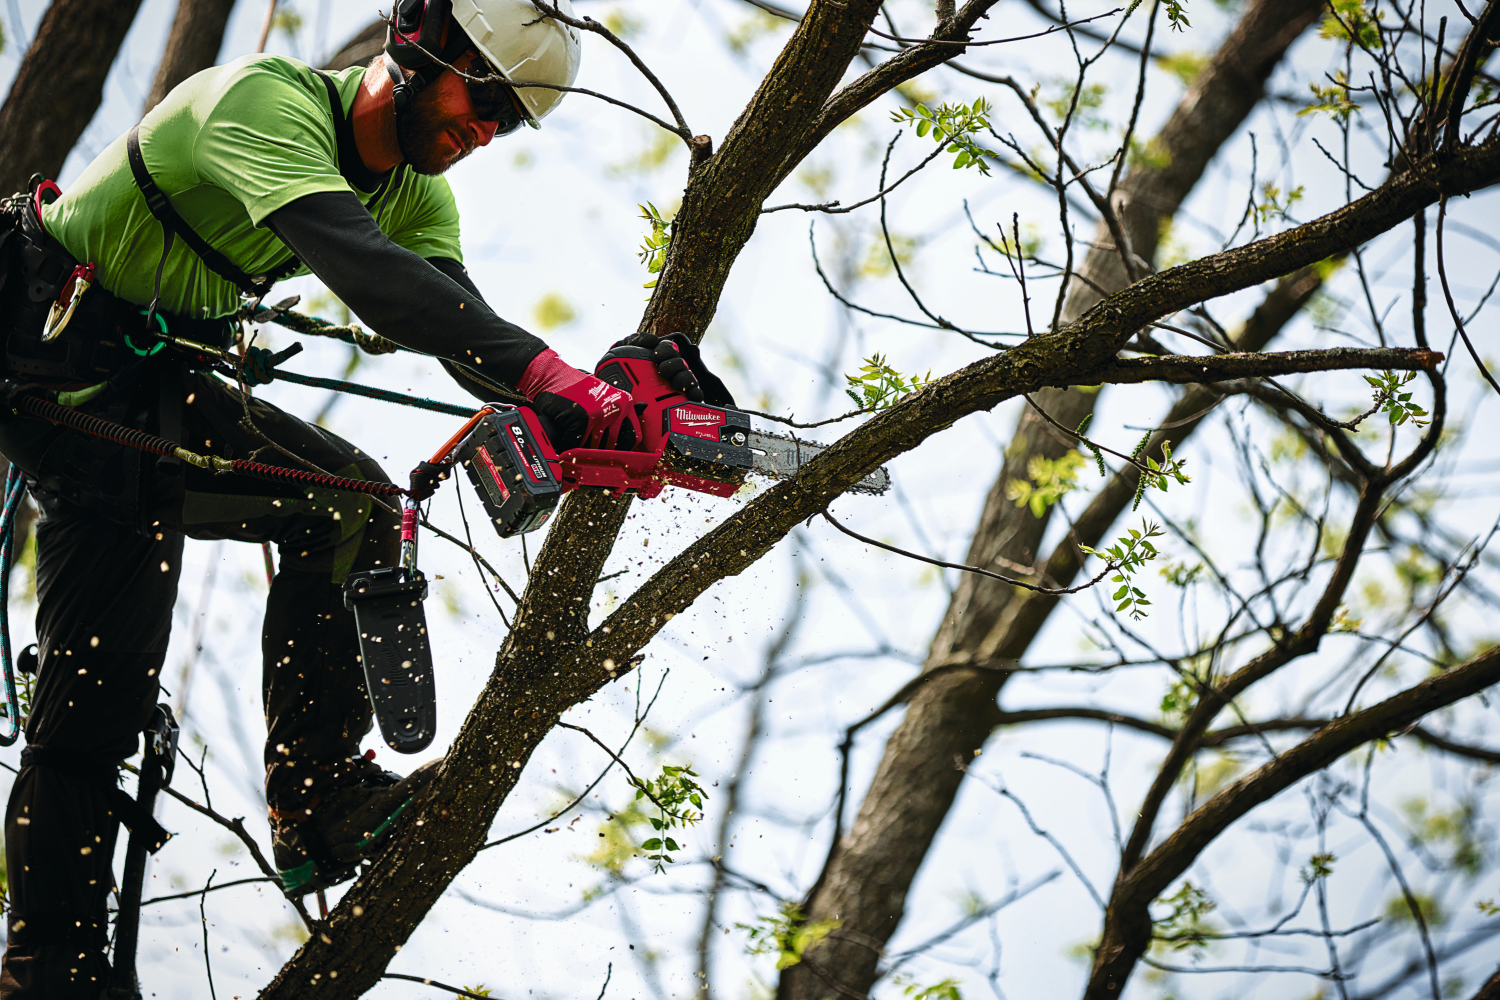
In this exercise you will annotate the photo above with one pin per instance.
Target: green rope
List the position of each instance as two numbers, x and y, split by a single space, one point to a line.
370 343
313 326
370 392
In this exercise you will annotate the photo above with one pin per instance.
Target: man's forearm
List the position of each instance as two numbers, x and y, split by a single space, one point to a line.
431 307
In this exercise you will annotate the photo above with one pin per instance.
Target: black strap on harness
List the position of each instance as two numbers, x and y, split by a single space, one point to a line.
350 166
161 207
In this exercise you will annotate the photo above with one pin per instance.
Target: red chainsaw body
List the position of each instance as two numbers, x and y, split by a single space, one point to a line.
695 446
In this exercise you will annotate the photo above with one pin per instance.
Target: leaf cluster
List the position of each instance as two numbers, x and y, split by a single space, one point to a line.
653 252
1352 21
788 934
1157 473
947 989
1184 927
1176 13
1395 404
1275 203
1051 480
1332 99
1318 866
878 386
954 124
1129 555
672 793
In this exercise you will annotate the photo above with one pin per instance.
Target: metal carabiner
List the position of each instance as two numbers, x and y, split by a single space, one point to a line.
62 310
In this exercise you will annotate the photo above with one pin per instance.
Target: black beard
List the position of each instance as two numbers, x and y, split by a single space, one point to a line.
419 136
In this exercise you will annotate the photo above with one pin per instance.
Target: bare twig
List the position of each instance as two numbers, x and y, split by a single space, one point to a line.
641 718
589 24
203 918
832 207
994 41
1448 297
199 892
433 982
1109 567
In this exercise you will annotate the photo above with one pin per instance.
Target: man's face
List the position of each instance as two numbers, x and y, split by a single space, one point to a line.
440 128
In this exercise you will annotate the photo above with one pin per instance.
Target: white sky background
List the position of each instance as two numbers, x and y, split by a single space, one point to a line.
555 212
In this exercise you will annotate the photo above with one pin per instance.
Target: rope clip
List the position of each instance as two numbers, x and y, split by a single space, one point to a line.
258 364
62 310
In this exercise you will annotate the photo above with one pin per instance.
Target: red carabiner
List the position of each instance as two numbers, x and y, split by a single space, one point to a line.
45 187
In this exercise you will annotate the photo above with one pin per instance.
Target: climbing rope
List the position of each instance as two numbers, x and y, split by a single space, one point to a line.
259 368
151 444
15 486
313 326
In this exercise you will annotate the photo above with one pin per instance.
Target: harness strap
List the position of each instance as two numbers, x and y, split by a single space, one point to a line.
350 166
161 207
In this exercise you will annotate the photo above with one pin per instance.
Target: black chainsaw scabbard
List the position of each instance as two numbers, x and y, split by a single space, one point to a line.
393 647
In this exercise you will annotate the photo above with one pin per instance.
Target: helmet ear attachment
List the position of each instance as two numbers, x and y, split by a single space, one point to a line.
416 34
401 92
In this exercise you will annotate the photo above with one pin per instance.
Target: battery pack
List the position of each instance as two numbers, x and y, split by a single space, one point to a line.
393 648
513 468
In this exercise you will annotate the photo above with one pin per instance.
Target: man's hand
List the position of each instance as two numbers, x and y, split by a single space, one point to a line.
680 363
583 410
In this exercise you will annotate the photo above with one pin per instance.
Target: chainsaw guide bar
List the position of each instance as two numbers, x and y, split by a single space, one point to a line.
781 457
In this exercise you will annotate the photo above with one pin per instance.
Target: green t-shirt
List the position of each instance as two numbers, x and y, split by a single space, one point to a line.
230 146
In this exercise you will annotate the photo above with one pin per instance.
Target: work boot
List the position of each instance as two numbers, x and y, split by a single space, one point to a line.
321 844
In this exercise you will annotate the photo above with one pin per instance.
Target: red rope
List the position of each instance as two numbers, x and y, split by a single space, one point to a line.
261 471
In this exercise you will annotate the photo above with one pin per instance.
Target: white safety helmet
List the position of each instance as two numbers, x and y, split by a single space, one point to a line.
523 45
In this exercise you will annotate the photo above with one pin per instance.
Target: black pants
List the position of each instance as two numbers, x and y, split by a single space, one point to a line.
109 553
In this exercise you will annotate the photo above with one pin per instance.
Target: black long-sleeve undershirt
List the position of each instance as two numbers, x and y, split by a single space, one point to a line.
429 306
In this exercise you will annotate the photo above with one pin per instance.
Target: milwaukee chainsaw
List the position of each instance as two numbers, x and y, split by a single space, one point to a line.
707 449
508 454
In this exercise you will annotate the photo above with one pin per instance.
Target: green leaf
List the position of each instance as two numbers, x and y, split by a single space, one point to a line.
651 844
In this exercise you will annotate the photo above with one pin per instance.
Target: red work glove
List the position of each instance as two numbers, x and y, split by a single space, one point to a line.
584 411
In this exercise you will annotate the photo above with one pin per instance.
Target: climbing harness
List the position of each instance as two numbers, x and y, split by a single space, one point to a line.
10 712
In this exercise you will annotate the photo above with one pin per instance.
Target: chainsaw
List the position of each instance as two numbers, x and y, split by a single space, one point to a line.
707 449
508 455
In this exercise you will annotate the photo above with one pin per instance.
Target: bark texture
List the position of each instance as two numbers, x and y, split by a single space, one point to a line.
989 624
193 45
59 85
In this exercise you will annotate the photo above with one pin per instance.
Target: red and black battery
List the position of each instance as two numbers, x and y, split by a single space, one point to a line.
520 477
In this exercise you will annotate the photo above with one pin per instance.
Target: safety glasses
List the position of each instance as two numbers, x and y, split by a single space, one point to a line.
494 100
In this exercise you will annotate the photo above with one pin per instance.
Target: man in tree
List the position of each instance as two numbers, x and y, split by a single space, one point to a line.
261 167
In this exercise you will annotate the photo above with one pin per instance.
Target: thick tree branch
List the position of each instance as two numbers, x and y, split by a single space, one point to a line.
1219 737
1223 367
197 34
59 85
1147 880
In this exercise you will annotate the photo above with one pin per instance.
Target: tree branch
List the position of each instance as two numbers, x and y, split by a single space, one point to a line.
1224 367
1138 887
